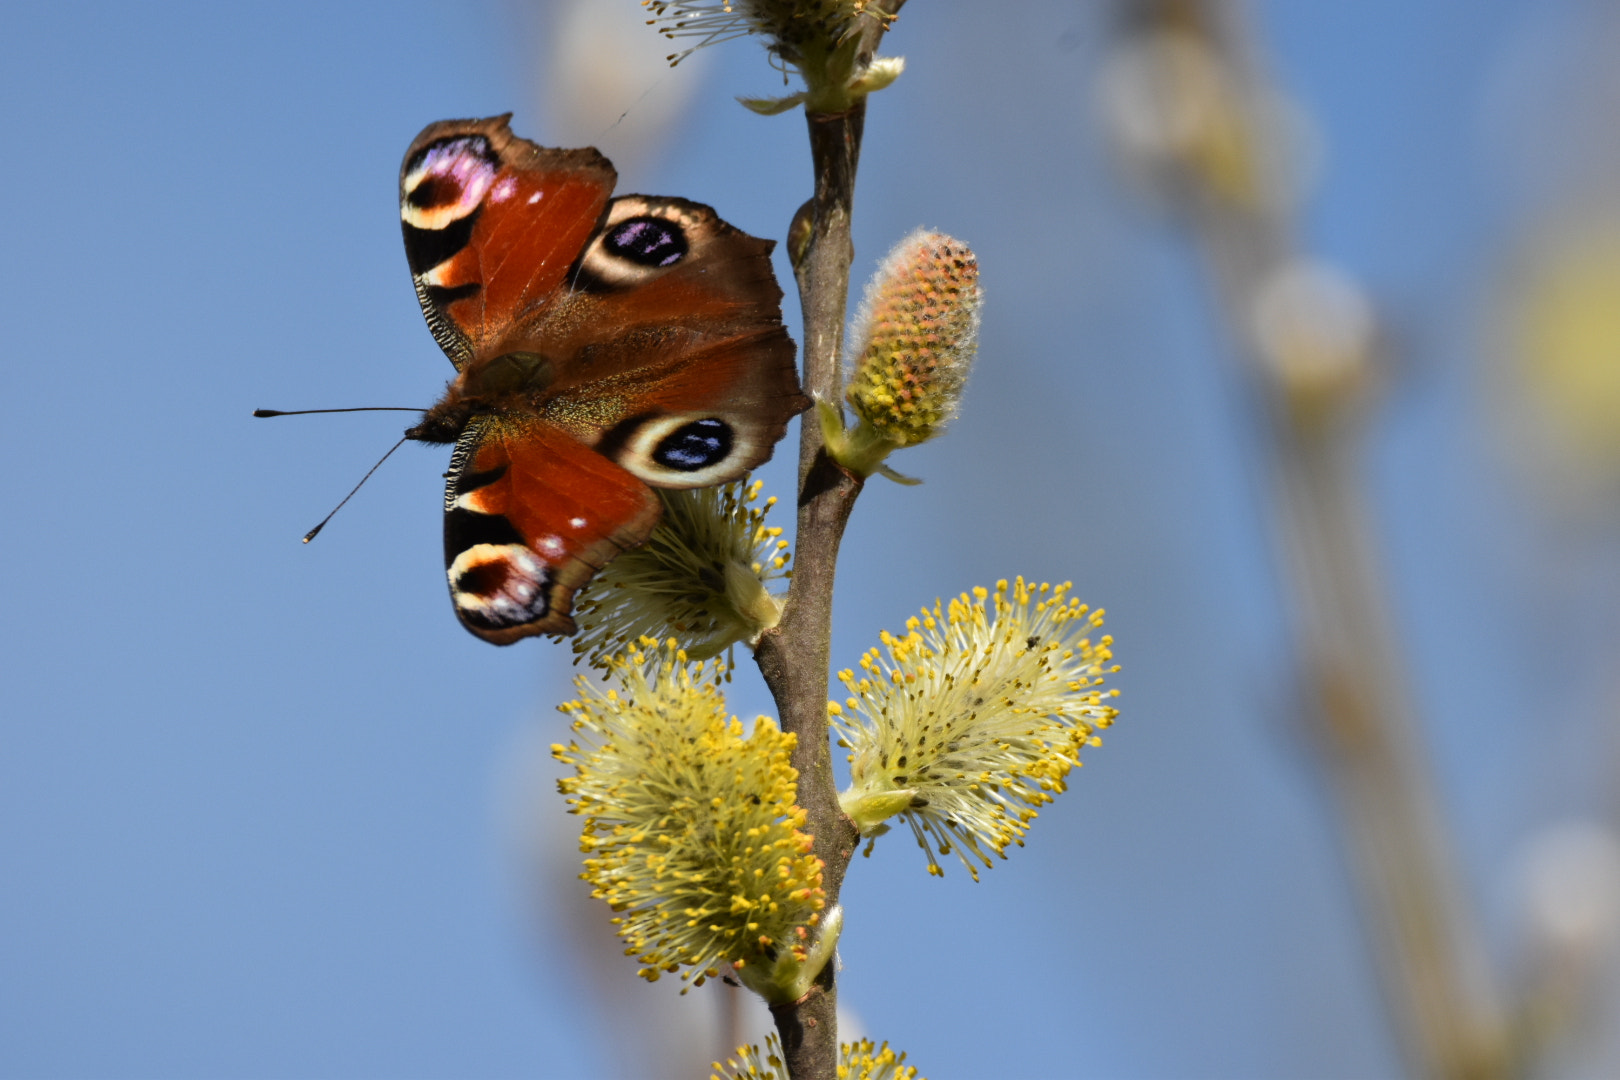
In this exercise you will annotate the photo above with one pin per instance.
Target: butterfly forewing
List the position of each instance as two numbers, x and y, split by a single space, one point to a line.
493 224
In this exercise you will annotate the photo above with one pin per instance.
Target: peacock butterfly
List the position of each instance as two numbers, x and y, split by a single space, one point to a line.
603 347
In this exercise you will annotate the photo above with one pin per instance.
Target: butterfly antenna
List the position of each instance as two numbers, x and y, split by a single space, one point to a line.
656 83
312 533
305 412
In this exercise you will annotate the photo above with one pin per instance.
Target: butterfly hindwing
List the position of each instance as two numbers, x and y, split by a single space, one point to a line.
674 433
530 514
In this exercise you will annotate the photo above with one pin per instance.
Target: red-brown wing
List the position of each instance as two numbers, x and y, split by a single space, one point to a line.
531 514
645 328
493 224
693 409
671 318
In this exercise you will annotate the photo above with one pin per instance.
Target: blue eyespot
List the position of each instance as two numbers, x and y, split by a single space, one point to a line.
695 446
647 241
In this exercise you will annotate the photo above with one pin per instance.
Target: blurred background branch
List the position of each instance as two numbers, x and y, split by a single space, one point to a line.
1192 109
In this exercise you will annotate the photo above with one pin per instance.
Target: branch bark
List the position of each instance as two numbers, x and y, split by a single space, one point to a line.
794 656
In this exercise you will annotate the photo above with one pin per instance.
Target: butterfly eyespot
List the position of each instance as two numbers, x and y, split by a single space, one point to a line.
483 580
647 241
694 446
434 191
445 181
685 450
642 238
498 586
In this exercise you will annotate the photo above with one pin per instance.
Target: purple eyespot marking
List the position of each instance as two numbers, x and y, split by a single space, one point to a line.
647 241
450 178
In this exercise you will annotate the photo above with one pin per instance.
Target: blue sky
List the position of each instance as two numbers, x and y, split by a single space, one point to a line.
257 799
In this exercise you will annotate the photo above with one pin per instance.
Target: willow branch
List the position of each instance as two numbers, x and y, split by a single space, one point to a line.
794 656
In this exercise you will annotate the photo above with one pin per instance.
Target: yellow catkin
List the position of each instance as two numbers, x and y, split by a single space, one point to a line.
793 29
975 717
691 834
703 576
861 1060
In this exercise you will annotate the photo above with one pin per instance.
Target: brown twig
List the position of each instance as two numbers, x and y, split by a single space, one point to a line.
794 656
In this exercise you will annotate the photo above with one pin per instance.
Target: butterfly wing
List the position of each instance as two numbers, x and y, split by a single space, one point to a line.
530 514
602 345
680 368
493 224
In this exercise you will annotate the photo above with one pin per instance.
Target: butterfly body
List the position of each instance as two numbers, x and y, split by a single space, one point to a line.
603 346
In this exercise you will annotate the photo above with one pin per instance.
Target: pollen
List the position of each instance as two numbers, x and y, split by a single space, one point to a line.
860 1060
705 576
974 719
687 816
